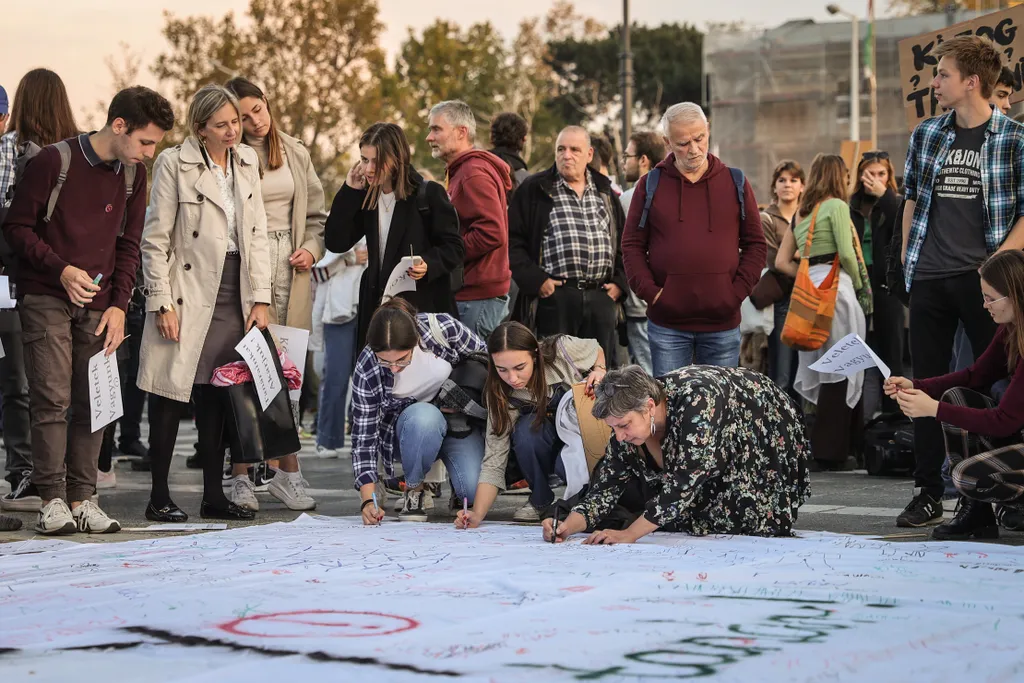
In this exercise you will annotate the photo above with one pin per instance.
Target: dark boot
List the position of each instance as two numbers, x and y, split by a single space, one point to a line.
973 519
1011 517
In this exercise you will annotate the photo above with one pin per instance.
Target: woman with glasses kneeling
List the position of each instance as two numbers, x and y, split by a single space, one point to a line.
984 441
703 450
407 357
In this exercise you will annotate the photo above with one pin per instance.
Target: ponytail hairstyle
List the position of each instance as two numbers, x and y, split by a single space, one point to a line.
513 336
241 88
1004 272
393 327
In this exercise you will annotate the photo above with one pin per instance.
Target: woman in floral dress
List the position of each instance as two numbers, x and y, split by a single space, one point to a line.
703 450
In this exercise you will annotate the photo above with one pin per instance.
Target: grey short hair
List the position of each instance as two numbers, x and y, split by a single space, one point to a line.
577 129
686 112
208 102
625 390
457 113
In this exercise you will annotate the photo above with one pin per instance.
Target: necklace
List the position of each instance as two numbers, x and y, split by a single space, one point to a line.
387 208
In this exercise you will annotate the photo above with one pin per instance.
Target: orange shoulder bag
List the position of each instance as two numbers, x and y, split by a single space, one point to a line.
811 308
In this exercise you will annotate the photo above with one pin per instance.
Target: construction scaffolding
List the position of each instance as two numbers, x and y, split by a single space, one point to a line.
784 93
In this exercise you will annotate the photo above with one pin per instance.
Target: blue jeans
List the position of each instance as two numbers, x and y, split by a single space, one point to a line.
483 315
639 344
538 452
782 360
673 349
339 357
420 437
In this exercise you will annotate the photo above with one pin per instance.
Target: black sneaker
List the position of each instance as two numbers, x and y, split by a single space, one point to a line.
1010 517
192 462
394 485
142 464
260 476
135 449
412 507
435 489
23 497
921 511
973 519
9 523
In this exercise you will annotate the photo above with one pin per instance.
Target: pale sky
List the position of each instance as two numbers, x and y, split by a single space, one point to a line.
73 37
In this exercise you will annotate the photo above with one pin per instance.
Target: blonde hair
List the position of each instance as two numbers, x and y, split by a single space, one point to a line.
207 102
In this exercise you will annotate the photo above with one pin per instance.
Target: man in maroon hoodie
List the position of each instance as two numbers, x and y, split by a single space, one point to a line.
478 184
695 260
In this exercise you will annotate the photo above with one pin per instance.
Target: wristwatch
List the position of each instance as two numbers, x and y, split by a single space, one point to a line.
166 309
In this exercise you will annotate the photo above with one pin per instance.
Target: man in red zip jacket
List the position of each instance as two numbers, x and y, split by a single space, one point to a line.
696 260
478 186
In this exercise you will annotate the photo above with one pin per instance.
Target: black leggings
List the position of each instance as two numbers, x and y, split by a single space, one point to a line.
212 411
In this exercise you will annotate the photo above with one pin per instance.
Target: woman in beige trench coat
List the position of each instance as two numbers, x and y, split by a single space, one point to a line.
206 266
294 201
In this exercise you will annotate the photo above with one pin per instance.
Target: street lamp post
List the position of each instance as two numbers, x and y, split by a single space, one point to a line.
627 81
854 69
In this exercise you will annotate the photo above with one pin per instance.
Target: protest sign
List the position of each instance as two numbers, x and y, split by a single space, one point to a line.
400 280
256 352
918 61
848 356
294 343
104 390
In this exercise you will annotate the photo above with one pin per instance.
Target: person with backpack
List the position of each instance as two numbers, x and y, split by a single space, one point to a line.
693 247
564 228
478 184
75 225
527 379
407 359
984 440
40 115
385 200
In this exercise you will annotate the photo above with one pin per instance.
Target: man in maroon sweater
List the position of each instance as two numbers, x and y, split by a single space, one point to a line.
478 185
76 277
695 260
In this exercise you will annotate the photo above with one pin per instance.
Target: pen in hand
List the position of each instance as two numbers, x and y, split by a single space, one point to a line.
465 511
376 508
554 528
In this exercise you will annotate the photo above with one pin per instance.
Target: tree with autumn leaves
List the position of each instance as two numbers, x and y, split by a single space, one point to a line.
327 77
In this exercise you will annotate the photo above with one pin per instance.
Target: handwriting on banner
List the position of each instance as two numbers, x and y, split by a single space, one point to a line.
294 343
848 356
400 280
918 62
104 390
256 352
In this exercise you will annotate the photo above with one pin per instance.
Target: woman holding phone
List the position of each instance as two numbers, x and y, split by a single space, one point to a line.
206 265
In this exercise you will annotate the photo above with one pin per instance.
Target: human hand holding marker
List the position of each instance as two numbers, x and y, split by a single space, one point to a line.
79 287
419 266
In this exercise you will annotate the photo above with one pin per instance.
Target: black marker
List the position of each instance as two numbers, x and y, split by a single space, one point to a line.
554 527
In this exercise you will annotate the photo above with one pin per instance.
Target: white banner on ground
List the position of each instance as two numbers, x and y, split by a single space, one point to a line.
337 601
848 356
257 355
294 343
105 402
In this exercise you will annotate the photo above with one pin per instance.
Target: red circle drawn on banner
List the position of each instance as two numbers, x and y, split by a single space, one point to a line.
319 623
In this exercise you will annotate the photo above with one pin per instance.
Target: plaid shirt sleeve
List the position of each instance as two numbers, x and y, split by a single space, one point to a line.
909 170
461 339
1018 172
367 402
8 152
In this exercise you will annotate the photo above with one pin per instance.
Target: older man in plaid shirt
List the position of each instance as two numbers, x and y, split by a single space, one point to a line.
964 186
565 225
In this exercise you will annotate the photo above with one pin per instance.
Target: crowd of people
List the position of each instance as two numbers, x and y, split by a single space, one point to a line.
558 330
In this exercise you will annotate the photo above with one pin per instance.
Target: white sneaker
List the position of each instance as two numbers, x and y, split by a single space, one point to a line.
243 493
527 513
55 519
327 453
290 489
92 520
106 480
413 508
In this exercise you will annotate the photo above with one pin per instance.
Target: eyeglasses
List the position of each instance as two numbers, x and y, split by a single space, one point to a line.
394 364
870 156
630 156
989 301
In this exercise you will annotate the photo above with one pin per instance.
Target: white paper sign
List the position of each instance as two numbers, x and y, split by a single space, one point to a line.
5 293
850 355
400 280
104 390
254 349
188 526
294 343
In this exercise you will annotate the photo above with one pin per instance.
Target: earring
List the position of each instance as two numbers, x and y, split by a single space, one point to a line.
652 423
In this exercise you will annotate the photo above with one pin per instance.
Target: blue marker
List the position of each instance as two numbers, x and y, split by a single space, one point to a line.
375 506
96 280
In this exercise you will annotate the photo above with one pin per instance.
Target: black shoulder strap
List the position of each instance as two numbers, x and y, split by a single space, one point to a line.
741 183
650 187
421 199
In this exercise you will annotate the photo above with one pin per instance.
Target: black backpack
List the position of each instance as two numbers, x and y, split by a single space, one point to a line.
423 206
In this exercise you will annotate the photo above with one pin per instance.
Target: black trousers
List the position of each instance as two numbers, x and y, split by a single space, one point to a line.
886 335
936 308
584 313
134 398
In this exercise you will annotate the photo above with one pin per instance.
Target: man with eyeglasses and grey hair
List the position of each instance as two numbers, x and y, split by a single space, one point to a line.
478 184
693 247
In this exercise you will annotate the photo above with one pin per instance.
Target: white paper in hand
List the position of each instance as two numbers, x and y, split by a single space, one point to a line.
848 356
400 280
104 390
5 293
294 343
257 355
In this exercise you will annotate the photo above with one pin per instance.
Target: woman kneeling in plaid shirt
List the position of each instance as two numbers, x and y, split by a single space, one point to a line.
407 357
